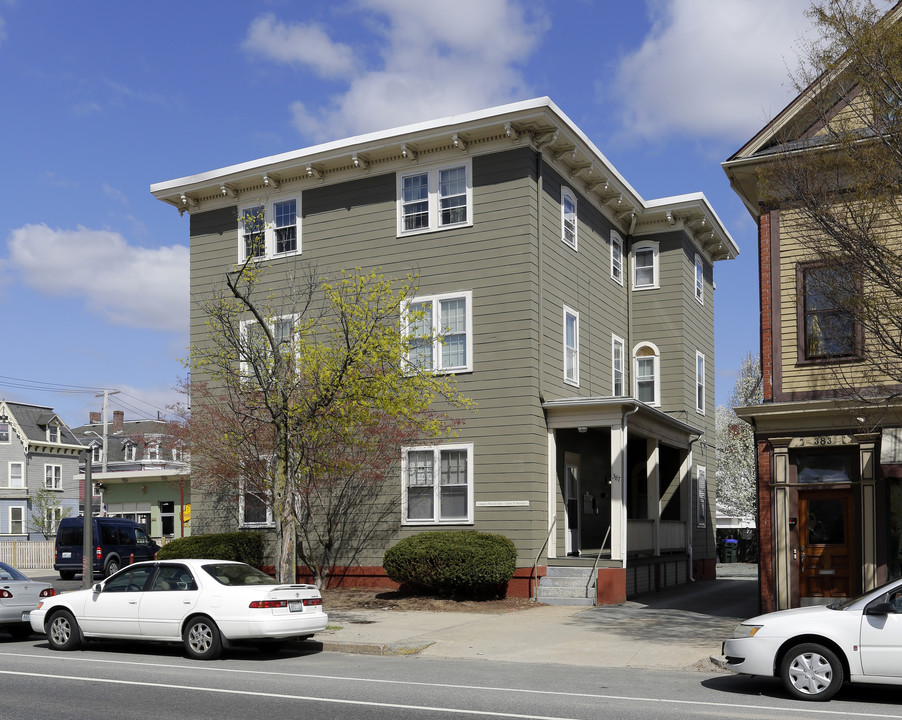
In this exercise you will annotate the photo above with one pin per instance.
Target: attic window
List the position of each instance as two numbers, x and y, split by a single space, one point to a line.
4 432
130 451
53 433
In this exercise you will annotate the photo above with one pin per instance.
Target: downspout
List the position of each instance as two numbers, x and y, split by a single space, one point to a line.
628 350
540 272
689 514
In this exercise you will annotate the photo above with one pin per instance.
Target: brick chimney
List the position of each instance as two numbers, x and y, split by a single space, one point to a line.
94 418
118 420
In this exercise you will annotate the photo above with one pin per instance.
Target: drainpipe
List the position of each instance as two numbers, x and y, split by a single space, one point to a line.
689 514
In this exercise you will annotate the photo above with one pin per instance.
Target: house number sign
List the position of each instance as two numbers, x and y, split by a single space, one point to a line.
821 441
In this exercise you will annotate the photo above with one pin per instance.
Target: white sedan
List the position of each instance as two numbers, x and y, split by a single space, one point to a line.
813 650
205 604
19 595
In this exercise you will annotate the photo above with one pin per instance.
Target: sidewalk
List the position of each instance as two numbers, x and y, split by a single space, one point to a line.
677 629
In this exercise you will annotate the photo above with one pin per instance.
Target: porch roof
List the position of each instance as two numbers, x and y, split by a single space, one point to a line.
612 411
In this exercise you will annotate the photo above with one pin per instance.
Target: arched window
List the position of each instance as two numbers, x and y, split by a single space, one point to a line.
647 374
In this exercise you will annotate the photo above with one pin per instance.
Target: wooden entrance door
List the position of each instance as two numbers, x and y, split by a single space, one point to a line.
826 544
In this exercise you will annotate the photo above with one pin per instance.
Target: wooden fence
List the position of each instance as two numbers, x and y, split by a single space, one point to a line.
27 555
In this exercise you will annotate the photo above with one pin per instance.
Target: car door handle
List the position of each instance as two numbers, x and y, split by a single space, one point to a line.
132 602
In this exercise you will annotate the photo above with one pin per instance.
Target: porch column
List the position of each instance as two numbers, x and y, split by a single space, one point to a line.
553 493
653 489
781 509
866 446
618 499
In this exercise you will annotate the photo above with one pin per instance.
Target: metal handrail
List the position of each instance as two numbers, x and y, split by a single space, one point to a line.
532 575
595 564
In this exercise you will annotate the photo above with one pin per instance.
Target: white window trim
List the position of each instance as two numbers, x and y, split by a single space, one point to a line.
9 474
243 329
53 515
130 452
574 380
269 226
656 270
50 429
616 257
436 450
615 342
270 520
23 520
96 452
568 194
53 477
436 331
434 209
9 434
657 371
699 279
700 383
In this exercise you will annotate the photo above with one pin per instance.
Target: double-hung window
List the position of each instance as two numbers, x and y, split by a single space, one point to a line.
130 451
439 332
646 362
16 477
616 257
17 520
617 369
571 346
96 452
699 279
53 477
255 352
435 198
830 329
152 451
438 484
254 494
568 218
700 382
53 433
4 432
645 266
271 229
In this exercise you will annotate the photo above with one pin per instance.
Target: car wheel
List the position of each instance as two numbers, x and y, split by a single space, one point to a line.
62 632
19 631
112 567
67 574
202 639
811 672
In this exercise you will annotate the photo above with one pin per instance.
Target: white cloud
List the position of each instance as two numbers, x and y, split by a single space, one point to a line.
123 284
711 67
299 43
435 60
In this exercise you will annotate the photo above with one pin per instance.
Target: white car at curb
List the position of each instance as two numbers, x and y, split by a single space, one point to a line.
814 650
204 604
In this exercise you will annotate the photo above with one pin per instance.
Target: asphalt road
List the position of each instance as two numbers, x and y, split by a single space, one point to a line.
123 681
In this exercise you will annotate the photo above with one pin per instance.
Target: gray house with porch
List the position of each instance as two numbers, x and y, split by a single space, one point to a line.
583 318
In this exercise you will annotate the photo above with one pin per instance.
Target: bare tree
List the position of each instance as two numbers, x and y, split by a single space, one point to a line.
837 177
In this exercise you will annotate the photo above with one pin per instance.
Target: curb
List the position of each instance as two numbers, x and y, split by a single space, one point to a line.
375 648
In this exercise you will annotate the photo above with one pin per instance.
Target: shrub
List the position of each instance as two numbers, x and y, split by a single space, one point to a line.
245 547
456 562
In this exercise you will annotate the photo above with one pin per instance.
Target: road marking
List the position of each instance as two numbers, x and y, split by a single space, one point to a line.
809 710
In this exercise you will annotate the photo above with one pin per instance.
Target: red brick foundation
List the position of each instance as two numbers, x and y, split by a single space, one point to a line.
611 586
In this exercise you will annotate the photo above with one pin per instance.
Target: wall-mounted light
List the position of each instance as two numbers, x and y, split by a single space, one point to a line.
582 429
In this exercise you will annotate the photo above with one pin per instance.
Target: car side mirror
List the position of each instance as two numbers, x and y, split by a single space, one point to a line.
883 608
97 588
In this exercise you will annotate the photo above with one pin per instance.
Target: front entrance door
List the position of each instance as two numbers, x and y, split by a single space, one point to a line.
571 487
826 550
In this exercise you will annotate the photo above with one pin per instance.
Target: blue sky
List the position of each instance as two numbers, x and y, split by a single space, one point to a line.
103 98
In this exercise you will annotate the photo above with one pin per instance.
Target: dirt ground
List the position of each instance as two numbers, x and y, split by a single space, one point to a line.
347 599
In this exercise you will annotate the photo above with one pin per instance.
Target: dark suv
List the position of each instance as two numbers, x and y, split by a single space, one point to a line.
116 542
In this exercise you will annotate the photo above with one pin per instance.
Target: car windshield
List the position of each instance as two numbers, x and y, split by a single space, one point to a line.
8 572
238 574
843 604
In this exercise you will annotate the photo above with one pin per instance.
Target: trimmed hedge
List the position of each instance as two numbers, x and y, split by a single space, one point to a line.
245 547
454 562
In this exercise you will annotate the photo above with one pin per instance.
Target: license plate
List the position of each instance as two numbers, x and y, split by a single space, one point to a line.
26 615
67 555
295 606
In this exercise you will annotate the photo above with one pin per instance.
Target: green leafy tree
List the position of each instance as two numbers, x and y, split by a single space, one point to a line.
306 399
46 512
837 177
736 461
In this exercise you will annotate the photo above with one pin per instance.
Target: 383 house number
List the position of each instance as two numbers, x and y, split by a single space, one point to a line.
821 441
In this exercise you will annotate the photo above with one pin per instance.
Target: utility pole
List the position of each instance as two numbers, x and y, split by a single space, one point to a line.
106 400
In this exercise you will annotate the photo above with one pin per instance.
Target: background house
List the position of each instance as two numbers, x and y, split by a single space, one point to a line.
827 433
140 472
582 317
38 467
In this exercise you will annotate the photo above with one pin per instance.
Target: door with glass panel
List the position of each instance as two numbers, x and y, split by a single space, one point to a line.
825 544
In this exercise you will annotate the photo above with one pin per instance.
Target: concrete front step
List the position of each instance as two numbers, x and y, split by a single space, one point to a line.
566 586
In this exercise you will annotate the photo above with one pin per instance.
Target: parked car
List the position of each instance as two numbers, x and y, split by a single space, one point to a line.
19 595
205 604
116 543
813 650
